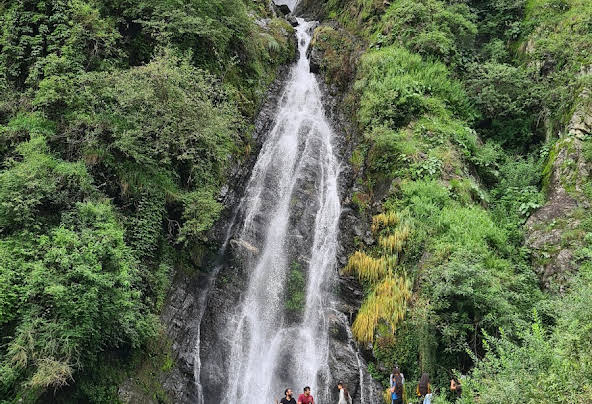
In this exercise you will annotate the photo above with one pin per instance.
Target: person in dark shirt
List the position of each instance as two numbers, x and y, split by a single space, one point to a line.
288 399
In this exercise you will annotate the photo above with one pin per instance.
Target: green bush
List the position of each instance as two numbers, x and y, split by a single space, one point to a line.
166 128
557 40
508 100
42 39
543 366
36 188
396 86
338 55
429 28
77 279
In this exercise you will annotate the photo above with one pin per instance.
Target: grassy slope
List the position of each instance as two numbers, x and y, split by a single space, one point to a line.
449 269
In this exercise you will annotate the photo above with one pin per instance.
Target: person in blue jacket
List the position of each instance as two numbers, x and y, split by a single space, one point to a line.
397 381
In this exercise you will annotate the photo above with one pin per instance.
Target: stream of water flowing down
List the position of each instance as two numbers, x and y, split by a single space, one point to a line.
269 351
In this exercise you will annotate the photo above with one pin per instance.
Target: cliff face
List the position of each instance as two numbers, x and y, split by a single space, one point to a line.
554 232
201 306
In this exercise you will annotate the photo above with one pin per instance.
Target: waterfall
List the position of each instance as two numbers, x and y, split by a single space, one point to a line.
268 350
249 343
290 3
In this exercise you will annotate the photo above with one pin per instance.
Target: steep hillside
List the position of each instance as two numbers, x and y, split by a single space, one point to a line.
473 176
129 128
119 121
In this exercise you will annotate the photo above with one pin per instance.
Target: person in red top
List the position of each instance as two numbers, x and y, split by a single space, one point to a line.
306 397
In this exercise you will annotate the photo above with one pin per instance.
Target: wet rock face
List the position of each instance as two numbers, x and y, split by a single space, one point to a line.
569 170
189 291
348 364
222 294
315 58
311 9
182 305
283 9
292 20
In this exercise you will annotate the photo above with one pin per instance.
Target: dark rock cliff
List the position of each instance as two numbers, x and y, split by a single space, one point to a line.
191 291
554 232
213 293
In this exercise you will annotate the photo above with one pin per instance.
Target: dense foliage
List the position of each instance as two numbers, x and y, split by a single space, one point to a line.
459 105
118 123
119 120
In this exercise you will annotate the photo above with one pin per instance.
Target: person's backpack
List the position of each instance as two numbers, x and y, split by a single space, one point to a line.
398 385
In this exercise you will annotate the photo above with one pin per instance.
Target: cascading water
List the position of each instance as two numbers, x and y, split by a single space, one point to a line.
269 351
248 344
290 3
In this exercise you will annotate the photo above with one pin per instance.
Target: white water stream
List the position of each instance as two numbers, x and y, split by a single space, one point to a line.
269 352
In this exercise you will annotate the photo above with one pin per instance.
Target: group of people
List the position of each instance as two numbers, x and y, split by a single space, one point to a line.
423 390
304 398
307 398
397 383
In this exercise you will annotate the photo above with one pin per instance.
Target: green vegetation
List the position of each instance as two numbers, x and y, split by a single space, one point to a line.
120 119
459 105
339 55
471 279
118 123
295 291
429 28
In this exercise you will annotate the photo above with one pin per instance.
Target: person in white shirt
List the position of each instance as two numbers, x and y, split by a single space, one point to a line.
344 397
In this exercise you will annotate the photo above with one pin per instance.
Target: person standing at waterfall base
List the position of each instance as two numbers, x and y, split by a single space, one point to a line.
397 381
288 399
344 397
424 389
306 397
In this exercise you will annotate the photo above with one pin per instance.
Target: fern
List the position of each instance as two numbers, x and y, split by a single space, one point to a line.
385 220
365 267
387 302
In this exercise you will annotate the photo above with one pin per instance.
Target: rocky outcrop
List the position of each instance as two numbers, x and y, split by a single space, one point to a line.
292 20
333 53
282 9
311 9
554 232
580 125
315 57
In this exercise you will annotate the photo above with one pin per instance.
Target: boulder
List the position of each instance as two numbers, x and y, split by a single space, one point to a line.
292 20
244 245
283 9
311 9
315 57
